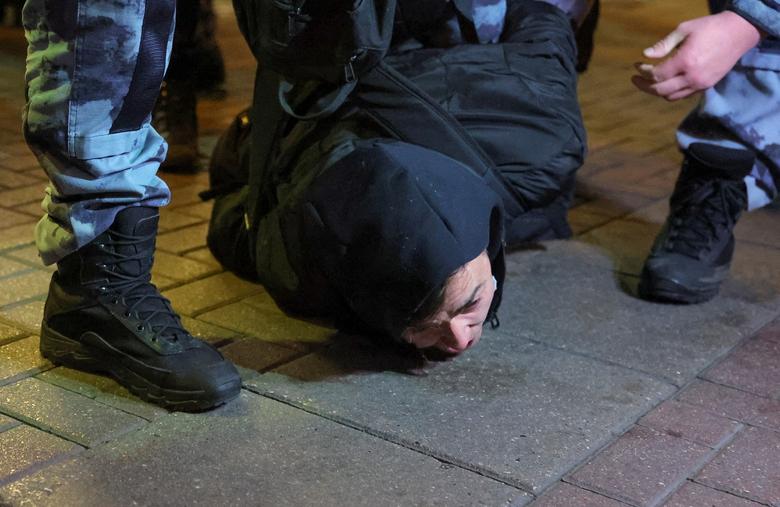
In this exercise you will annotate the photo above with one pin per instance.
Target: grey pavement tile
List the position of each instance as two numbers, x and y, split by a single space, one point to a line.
256 451
268 325
514 410
732 403
65 413
210 292
20 359
26 315
642 467
23 286
693 495
567 296
26 449
103 389
748 467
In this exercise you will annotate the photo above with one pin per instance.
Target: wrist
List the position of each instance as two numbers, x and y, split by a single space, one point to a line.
742 30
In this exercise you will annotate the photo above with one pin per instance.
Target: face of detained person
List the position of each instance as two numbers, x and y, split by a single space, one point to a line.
457 323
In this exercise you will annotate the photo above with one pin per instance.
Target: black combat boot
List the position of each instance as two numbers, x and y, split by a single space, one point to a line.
175 118
692 254
103 314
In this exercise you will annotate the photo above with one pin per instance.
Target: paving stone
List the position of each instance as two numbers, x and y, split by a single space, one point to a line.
26 449
184 195
642 466
204 255
255 451
10 267
696 495
14 179
179 268
24 286
163 282
690 422
748 467
29 255
567 296
205 331
258 355
26 315
21 359
210 292
181 240
62 412
755 271
566 495
16 236
8 333
6 423
33 209
759 226
103 389
269 326
201 210
170 219
10 218
754 366
23 195
728 402
502 408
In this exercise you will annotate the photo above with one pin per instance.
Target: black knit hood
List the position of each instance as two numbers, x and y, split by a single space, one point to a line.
391 222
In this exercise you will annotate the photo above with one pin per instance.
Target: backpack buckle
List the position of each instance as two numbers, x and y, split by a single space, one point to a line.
349 70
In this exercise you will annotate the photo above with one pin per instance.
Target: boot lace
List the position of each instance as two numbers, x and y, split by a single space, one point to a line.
142 298
707 210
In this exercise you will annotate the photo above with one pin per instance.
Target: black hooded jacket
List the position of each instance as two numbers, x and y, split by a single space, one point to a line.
342 220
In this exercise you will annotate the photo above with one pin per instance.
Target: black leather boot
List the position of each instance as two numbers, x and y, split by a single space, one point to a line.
104 315
692 254
175 117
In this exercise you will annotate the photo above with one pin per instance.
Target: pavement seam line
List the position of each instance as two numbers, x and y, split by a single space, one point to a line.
399 442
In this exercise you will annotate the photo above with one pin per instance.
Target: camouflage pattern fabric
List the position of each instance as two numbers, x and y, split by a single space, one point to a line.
94 68
488 17
743 109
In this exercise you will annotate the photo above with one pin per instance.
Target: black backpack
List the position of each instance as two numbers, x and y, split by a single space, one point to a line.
328 41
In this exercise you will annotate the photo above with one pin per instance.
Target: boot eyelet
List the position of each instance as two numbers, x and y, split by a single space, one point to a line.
140 328
115 301
127 314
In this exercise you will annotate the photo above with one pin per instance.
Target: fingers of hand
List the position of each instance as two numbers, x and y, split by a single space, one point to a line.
666 45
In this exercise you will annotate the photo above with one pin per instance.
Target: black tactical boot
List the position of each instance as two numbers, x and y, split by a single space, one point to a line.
103 314
175 118
692 254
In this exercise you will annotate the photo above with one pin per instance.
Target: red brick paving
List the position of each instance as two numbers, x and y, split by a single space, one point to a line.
690 422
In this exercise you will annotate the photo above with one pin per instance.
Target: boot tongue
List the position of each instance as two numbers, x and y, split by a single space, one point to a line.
721 162
138 222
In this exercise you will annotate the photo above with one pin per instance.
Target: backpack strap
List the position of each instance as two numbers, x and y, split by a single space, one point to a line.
408 113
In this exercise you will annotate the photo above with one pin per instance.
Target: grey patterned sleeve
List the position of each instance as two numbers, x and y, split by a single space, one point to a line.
764 14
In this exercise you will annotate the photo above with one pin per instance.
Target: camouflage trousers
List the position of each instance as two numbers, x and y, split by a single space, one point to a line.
743 111
94 70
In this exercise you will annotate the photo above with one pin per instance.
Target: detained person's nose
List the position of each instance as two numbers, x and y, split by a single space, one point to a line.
459 336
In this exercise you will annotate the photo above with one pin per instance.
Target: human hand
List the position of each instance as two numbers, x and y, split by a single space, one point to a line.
707 49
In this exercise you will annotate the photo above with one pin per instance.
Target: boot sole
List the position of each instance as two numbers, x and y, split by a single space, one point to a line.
64 351
668 291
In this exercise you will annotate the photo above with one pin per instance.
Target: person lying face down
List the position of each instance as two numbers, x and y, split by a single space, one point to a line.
408 240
